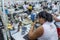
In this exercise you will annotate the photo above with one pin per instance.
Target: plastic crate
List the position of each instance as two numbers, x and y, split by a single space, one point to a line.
58 30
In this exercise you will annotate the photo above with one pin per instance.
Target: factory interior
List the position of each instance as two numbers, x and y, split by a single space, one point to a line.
29 19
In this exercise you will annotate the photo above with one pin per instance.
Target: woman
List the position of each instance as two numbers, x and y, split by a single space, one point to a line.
47 30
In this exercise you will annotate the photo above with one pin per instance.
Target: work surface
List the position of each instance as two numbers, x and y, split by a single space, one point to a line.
18 35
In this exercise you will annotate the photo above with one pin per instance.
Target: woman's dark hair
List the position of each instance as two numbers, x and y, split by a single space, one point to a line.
30 5
45 7
25 2
55 3
48 17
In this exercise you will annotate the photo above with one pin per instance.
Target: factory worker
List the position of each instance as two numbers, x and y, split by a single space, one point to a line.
47 30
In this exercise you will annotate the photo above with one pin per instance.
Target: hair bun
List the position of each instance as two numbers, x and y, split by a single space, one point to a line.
49 17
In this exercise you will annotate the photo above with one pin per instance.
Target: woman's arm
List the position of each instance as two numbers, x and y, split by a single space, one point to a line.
55 18
34 34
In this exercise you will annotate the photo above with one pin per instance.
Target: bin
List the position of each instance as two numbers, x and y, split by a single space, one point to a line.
58 30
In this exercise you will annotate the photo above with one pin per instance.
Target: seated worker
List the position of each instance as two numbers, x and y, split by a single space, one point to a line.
30 9
19 25
47 30
25 6
10 27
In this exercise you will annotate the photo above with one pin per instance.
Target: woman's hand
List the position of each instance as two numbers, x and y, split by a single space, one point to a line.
54 16
33 23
